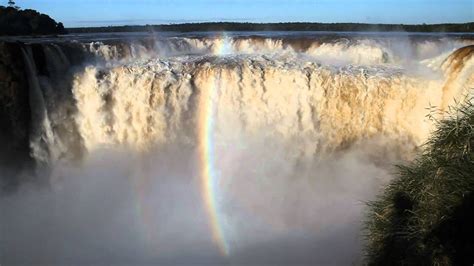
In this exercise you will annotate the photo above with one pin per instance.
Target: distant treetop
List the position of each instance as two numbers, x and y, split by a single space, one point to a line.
12 3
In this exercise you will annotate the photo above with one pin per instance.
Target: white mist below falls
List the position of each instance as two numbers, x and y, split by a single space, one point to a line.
209 156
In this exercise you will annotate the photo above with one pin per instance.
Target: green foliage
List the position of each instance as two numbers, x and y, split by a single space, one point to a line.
426 215
27 22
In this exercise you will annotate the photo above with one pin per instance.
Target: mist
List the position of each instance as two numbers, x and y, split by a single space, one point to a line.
121 206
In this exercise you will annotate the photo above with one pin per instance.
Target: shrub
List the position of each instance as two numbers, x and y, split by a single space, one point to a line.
426 215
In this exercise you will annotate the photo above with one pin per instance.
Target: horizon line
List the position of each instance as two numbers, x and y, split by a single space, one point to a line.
184 22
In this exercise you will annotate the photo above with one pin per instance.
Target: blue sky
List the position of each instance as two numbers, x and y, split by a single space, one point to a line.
119 12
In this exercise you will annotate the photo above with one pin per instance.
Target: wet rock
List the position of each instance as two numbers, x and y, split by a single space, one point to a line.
14 116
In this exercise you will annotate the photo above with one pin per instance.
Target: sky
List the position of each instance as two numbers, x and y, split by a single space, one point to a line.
137 12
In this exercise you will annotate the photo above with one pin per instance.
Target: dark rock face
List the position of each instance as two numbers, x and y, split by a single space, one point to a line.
14 114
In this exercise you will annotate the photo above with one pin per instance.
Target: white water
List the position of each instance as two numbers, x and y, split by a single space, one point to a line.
305 133
264 87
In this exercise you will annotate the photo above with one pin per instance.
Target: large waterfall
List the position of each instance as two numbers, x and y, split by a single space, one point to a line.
315 97
222 148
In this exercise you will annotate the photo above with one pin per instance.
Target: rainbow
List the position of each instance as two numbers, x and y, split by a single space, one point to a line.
209 176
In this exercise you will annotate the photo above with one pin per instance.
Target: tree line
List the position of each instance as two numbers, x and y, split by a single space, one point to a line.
300 26
14 21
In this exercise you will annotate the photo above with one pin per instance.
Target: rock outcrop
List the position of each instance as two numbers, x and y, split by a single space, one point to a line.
14 113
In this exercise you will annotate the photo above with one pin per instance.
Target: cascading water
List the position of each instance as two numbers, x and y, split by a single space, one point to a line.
227 147
41 132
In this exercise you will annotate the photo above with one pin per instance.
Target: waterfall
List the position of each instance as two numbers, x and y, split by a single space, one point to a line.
41 135
314 97
222 149
312 107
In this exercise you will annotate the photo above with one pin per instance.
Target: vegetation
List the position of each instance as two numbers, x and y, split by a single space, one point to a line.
229 26
12 3
426 215
14 21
